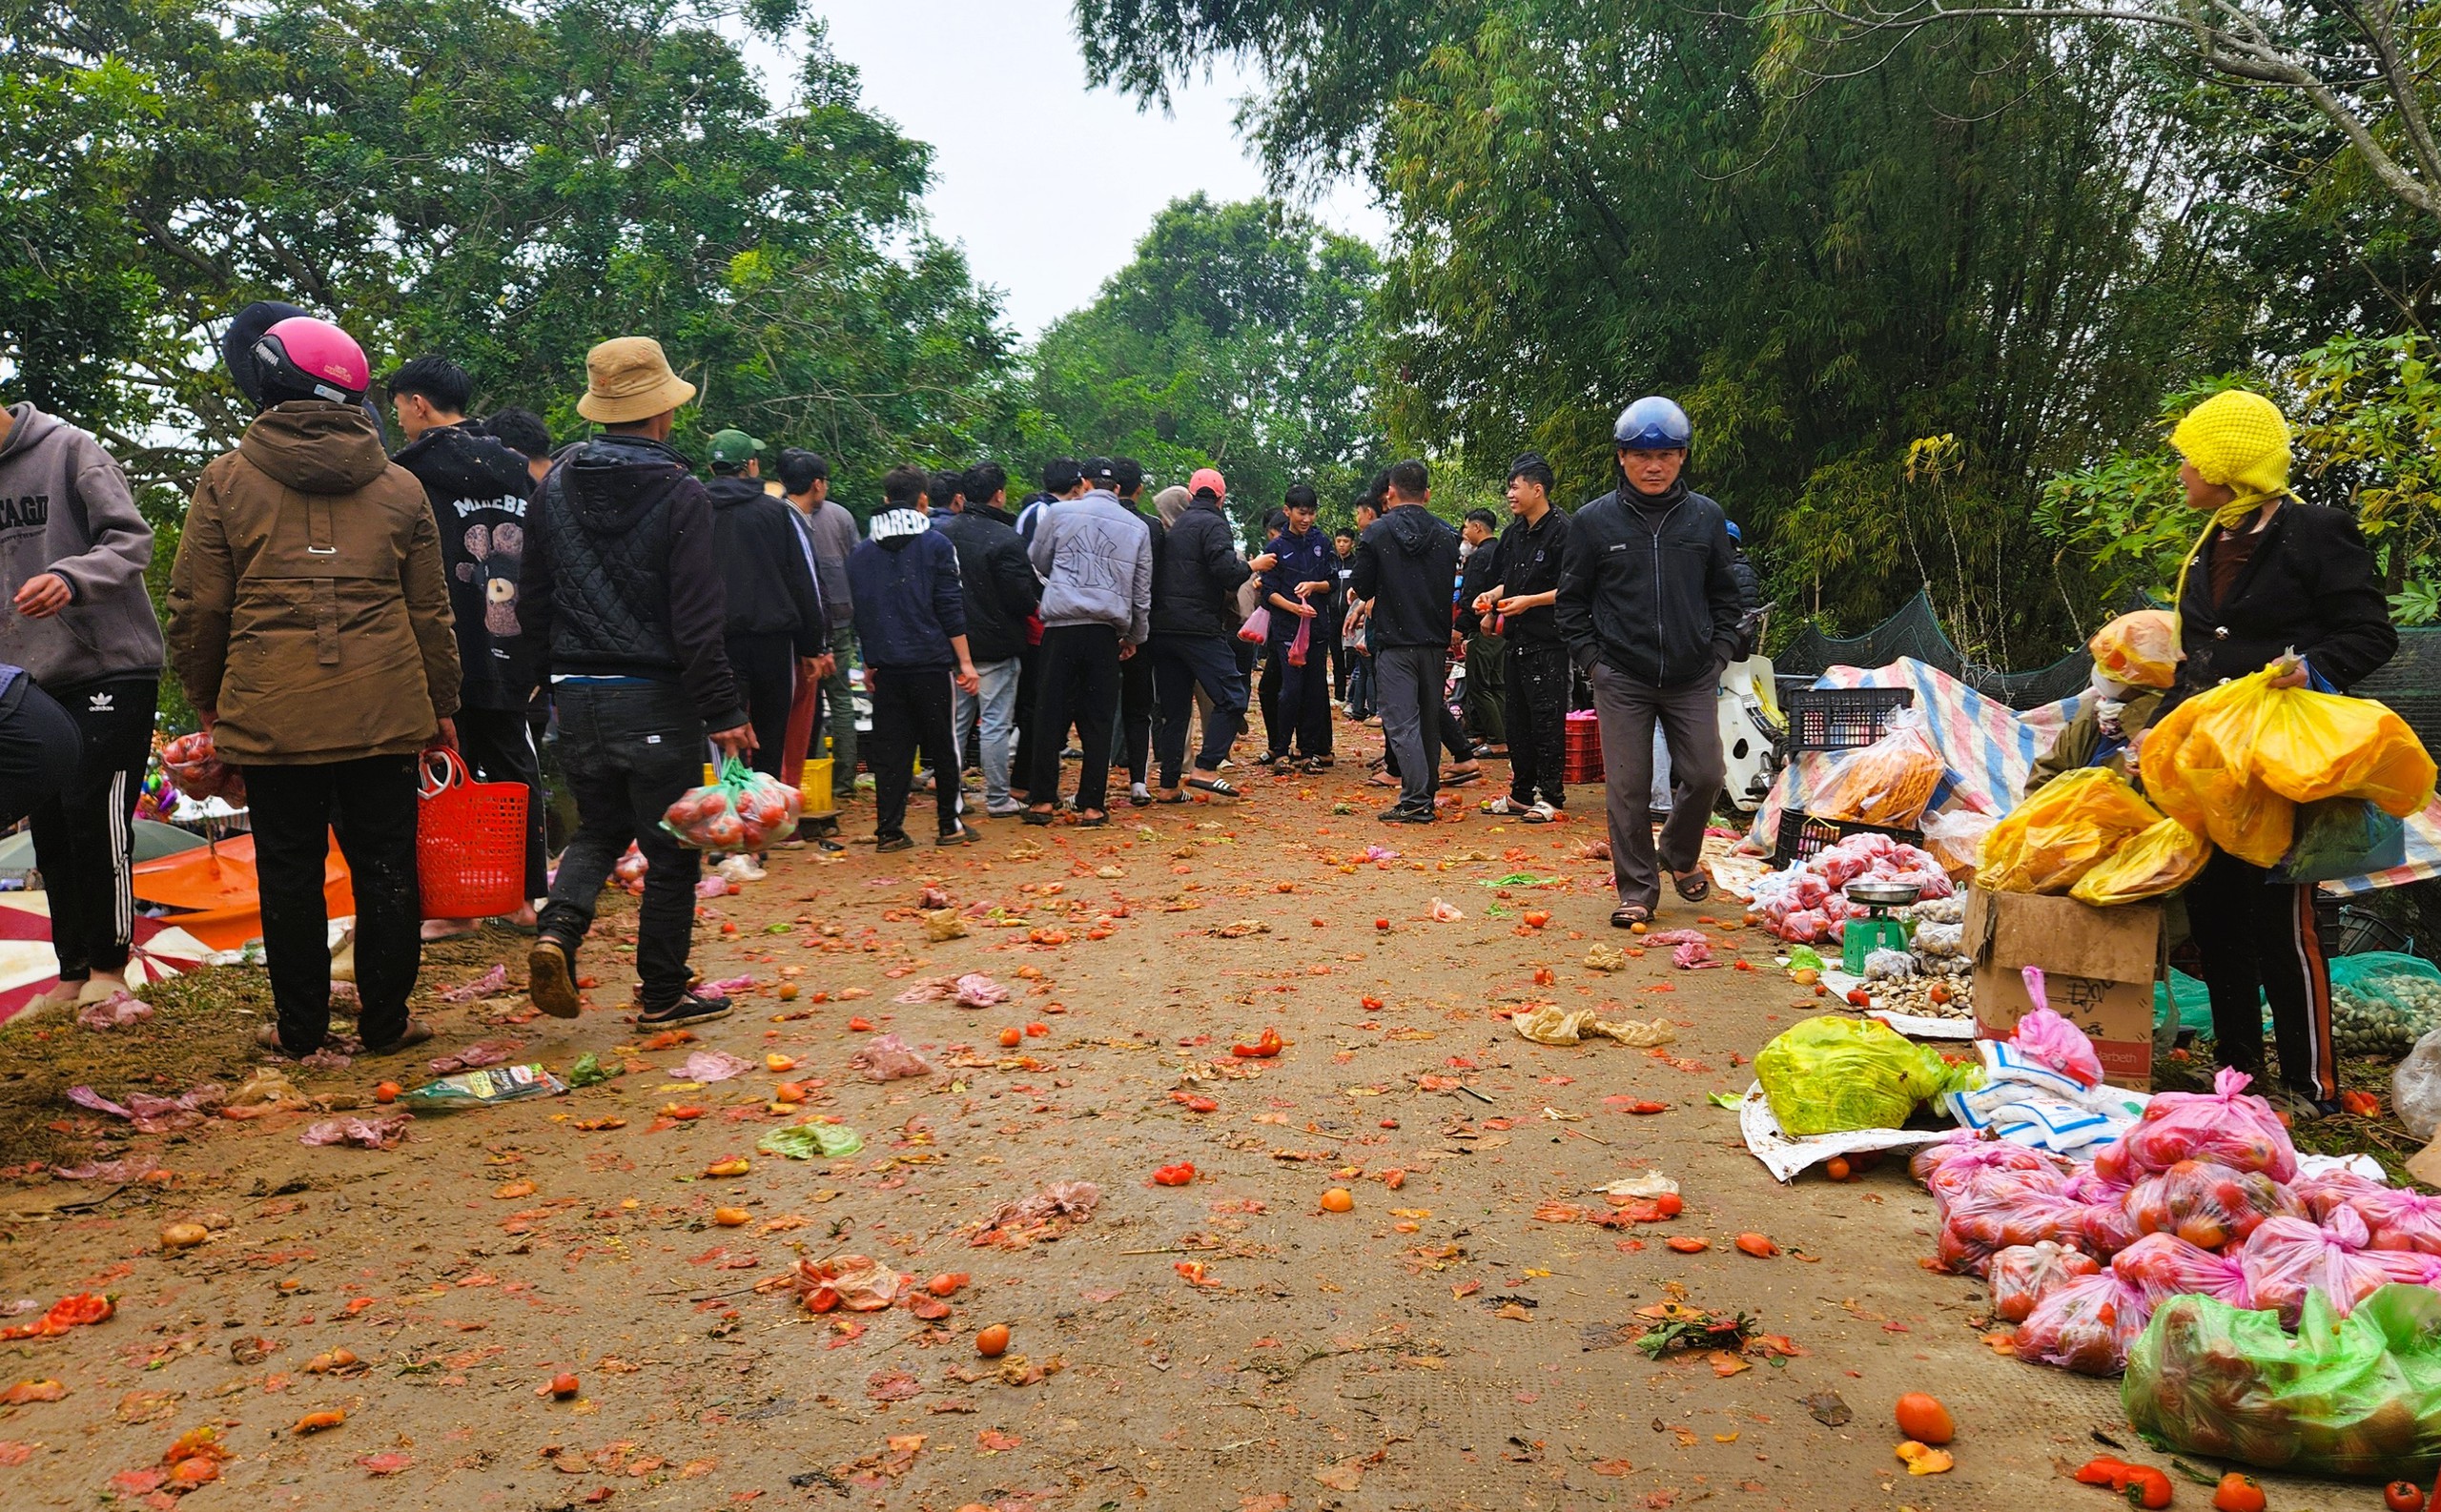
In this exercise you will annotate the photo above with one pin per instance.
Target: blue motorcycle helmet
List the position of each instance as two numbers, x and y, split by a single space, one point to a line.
1653 424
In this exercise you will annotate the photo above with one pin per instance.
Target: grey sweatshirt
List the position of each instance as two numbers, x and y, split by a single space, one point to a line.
1095 557
65 507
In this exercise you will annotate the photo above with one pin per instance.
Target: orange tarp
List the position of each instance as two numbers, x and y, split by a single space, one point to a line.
217 884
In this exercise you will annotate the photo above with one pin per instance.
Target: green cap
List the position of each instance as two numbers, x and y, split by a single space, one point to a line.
735 446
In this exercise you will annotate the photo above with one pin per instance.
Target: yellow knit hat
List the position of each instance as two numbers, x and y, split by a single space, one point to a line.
2238 440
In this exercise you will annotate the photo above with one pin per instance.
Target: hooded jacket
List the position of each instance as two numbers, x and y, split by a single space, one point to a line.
1647 589
307 606
2309 586
1000 587
1406 563
909 601
478 489
1196 581
621 578
762 552
65 507
1095 557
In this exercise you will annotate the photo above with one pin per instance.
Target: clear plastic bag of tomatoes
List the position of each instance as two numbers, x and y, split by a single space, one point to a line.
1948 1167
2023 1275
2086 1326
2358 1396
745 810
2210 1205
1887 783
2226 1124
2001 1210
2287 1258
2063 830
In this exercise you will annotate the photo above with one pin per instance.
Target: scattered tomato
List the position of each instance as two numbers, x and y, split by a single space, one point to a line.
1924 1460
1037 1031
1339 1199
1011 1039
386 1092
2147 1488
788 1091
1858 997
731 1218
1924 1418
2238 1492
194 1470
1176 1175
992 1341
2399 1496
1269 1045
1688 1244
776 1062
1535 918
2360 1104
947 1283
1837 1168
317 1422
1381 924
562 1386
733 1166
1759 1246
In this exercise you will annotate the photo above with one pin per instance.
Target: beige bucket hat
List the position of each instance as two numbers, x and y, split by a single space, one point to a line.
627 379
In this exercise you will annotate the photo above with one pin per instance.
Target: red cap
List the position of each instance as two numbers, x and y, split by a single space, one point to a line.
1207 477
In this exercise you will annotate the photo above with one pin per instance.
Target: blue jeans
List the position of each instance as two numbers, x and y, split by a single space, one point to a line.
1181 664
996 721
1360 684
627 754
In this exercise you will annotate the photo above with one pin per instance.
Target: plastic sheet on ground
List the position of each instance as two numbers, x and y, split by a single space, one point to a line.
1785 1155
1547 1025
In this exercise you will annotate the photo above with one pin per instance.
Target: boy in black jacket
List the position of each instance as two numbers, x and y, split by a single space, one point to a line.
1001 593
911 620
776 626
1406 565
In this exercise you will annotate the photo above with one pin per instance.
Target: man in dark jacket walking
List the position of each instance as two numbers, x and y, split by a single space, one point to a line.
1002 594
1536 659
1297 589
776 626
478 488
1407 563
1648 605
1195 616
911 619
625 602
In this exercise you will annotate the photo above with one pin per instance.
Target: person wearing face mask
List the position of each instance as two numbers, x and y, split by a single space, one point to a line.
1648 606
2109 730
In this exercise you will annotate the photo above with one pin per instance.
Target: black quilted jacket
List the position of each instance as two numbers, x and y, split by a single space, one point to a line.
621 578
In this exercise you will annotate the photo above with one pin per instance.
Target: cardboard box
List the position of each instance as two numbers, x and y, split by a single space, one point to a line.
2099 967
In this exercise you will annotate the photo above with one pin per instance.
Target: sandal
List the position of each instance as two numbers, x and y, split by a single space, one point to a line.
1540 814
1460 779
1385 779
1217 787
1037 816
1627 915
1170 798
1092 819
1695 891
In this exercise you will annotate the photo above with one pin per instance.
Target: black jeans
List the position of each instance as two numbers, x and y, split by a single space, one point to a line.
371 804
1538 676
1080 683
1181 664
1136 715
912 713
1303 703
499 744
85 835
2258 937
766 674
629 752
1275 732
39 746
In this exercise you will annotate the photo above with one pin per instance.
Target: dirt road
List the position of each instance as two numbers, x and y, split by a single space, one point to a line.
1221 1344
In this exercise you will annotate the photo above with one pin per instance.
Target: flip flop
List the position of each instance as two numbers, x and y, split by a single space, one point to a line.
1035 816
1461 779
1218 786
1503 806
1173 798
1695 891
1627 914
1091 819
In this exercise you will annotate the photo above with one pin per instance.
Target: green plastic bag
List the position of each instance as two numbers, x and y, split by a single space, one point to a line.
587 1071
2382 1003
1832 1075
803 1141
2358 1396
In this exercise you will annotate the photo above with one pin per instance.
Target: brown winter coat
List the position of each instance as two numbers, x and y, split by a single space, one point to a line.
307 606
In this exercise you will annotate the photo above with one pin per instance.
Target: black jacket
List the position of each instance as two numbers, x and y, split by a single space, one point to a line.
1002 590
1407 565
478 489
768 583
1481 570
1530 559
1196 575
908 601
621 578
1648 589
2308 586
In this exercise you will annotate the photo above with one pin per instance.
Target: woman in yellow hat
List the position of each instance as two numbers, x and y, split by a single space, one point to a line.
2269 575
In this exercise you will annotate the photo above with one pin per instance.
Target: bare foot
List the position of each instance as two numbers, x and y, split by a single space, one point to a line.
446 929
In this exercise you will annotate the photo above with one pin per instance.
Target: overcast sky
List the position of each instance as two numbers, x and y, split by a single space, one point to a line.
1023 153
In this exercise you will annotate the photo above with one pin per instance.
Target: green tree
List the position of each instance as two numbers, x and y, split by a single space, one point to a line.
504 182
1241 336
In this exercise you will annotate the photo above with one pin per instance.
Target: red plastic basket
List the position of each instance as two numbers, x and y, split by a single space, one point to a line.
470 842
1581 748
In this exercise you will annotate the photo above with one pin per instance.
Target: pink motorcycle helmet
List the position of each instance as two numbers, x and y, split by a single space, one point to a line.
305 358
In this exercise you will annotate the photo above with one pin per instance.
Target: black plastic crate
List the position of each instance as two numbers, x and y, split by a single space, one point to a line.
1842 717
2346 930
1804 836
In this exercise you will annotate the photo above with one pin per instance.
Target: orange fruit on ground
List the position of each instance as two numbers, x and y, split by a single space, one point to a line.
1011 1039
731 1218
991 1342
1924 1418
1339 1199
563 1386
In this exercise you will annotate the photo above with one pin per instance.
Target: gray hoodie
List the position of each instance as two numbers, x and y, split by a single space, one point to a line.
65 507
1095 556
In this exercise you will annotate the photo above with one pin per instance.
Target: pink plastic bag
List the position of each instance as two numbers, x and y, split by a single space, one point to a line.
2400 1221
2023 1275
2288 1255
1947 1168
1303 643
1257 626
887 1057
2322 1194
2053 1040
2085 1326
1998 1209
2163 1265
2210 1205
2223 1125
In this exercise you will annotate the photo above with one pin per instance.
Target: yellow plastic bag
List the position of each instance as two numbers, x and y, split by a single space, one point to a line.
1887 783
2162 859
2065 829
2140 648
2199 765
2314 745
